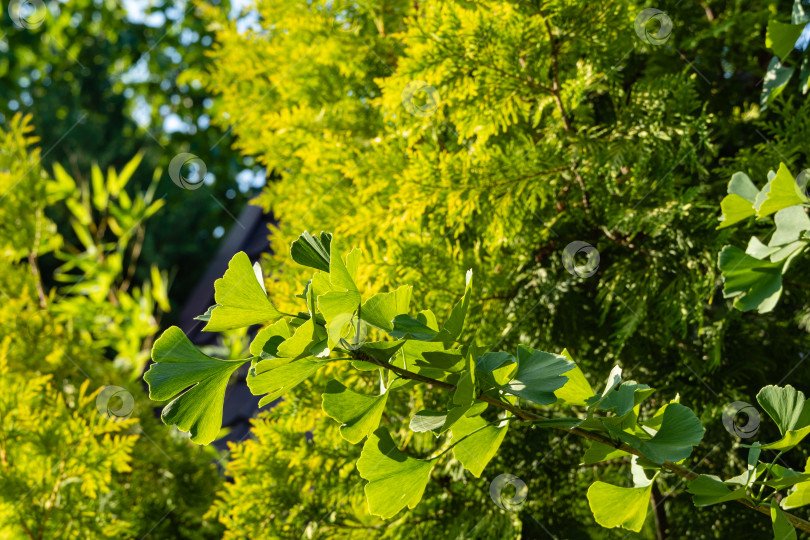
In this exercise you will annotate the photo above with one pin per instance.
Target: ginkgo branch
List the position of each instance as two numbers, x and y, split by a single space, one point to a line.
674 468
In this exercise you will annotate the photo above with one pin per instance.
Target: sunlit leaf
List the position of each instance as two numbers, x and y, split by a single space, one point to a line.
178 366
241 300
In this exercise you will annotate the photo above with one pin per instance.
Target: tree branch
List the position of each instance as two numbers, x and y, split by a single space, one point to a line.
529 416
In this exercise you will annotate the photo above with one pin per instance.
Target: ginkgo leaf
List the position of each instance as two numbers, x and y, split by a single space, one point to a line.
382 350
615 506
180 365
464 395
266 377
299 345
799 497
738 205
241 300
576 390
707 490
439 422
780 192
782 528
781 37
455 322
791 223
395 479
598 452
428 420
359 414
379 310
267 340
754 284
680 431
476 442
787 406
341 274
538 375
788 440
450 360
790 410
312 251
625 397
407 327
614 379
339 309
777 76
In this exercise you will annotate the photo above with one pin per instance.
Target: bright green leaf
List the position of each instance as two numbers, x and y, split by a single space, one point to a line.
615 506
241 300
576 390
178 366
476 442
782 528
780 192
753 283
787 407
455 322
266 377
781 38
379 310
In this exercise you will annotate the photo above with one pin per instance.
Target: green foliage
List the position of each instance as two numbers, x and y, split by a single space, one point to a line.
754 277
104 83
496 180
783 39
396 479
79 453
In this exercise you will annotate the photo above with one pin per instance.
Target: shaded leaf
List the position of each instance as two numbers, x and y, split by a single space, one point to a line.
538 375
395 479
359 414
707 490
312 251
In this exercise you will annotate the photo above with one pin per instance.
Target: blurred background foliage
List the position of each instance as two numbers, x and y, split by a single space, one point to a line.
103 81
554 123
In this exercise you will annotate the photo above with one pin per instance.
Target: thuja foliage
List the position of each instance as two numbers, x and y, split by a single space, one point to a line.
483 392
485 172
81 454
